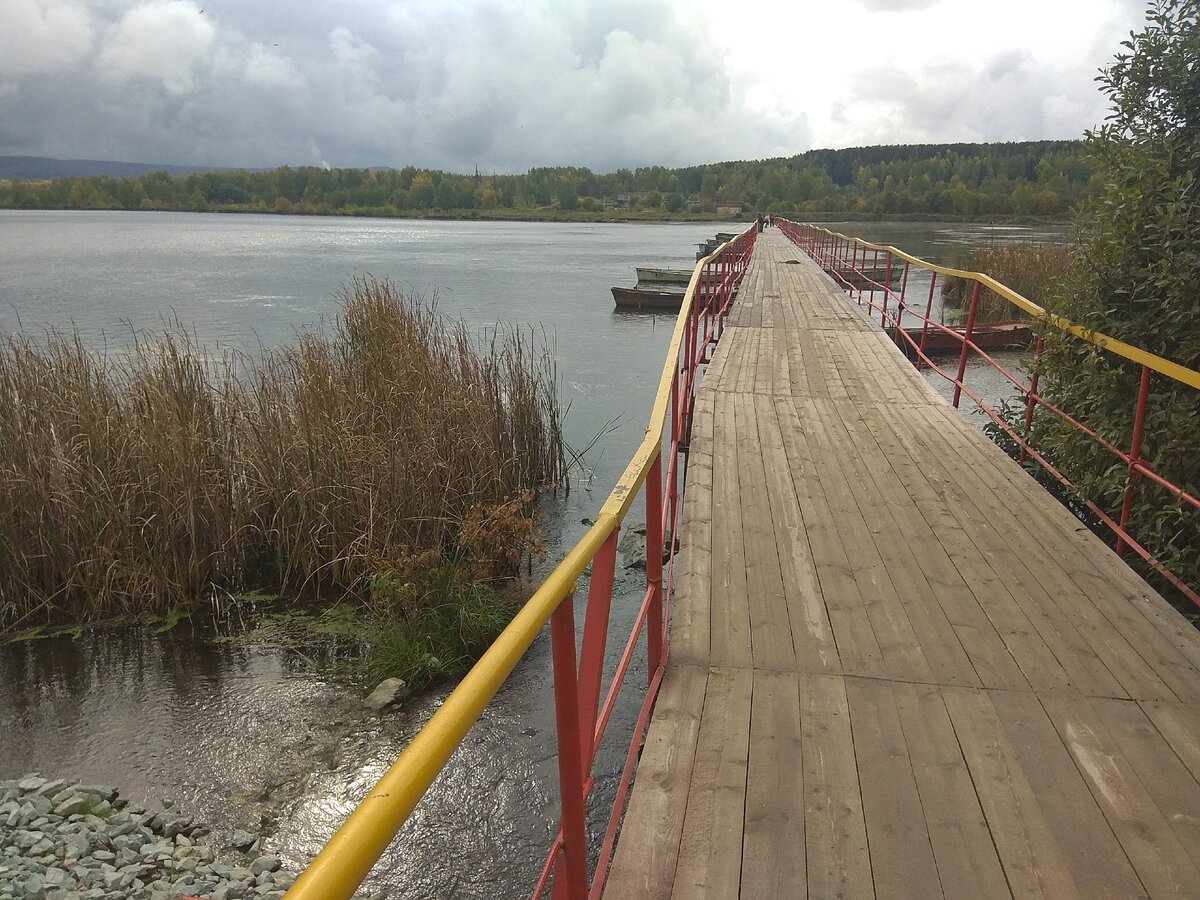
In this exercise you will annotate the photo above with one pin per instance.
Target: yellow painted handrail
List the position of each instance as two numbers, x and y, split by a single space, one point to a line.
1158 364
345 860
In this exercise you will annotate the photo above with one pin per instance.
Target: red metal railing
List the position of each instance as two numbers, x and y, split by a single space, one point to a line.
856 265
581 715
581 719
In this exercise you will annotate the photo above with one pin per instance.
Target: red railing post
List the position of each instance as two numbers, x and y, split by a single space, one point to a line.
570 876
899 335
1030 398
925 322
874 273
595 639
1135 451
966 344
887 286
654 565
853 271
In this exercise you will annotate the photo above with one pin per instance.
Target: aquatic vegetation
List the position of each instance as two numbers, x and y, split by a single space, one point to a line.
146 480
1039 272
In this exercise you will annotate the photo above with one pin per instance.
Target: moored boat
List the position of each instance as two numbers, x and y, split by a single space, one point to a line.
650 275
646 298
984 335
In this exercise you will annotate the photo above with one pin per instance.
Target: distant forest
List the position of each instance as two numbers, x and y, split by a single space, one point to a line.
1034 178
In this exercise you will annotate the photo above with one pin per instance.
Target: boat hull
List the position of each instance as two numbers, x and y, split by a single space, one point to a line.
985 336
648 275
641 298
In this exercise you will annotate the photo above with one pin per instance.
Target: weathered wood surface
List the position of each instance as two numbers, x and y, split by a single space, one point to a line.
898 667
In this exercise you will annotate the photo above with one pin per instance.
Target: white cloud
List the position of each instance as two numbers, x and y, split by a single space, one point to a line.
270 69
38 36
163 40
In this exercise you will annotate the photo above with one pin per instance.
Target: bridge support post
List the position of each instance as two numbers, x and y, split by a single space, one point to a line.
570 875
966 344
1030 399
1132 476
655 550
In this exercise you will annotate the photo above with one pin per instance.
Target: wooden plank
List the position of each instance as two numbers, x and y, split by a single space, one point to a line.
988 527
1020 636
710 849
773 863
1089 848
835 836
902 651
1136 676
886 512
646 853
1180 727
729 637
812 634
922 552
1172 787
967 863
858 648
1136 621
902 862
693 587
1027 845
1160 860
770 629
782 373
764 375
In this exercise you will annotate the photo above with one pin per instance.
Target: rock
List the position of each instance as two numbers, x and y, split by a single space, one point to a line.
241 840
103 791
389 692
73 805
632 547
264 864
34 888
63 841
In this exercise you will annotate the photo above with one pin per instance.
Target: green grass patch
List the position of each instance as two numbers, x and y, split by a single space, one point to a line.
421 631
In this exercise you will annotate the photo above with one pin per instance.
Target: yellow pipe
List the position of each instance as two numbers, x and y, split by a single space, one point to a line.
1159 364
337 871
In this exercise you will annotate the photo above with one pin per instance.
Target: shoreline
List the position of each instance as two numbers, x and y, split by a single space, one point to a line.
559 216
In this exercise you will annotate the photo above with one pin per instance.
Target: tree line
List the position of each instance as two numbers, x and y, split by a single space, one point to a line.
1033 178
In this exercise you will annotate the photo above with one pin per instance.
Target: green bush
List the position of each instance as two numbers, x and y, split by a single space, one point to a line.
1138 246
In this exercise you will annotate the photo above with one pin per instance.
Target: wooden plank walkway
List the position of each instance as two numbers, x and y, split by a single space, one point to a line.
898 667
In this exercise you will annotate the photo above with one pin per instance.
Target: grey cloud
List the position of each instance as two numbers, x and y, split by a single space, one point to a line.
505 84
1001 98
38 37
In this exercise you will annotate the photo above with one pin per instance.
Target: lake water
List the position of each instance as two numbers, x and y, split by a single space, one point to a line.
251 737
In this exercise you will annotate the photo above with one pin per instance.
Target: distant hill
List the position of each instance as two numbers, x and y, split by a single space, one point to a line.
1030 178
41 168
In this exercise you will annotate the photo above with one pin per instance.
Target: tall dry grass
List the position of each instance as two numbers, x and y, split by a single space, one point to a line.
1036 271
144 480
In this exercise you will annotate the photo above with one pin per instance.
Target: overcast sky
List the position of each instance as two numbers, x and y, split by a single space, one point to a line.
511 84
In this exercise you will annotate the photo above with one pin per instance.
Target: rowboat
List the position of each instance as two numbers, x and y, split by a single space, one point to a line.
648 275
984 335
646 298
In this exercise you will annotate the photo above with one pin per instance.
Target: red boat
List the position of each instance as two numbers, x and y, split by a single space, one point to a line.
985 336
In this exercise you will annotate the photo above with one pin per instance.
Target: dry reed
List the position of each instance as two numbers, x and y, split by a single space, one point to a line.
1035 271
144 481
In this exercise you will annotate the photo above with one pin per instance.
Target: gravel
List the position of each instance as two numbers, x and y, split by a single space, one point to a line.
61 840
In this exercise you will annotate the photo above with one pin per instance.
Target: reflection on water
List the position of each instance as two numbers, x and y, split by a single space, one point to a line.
254 737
